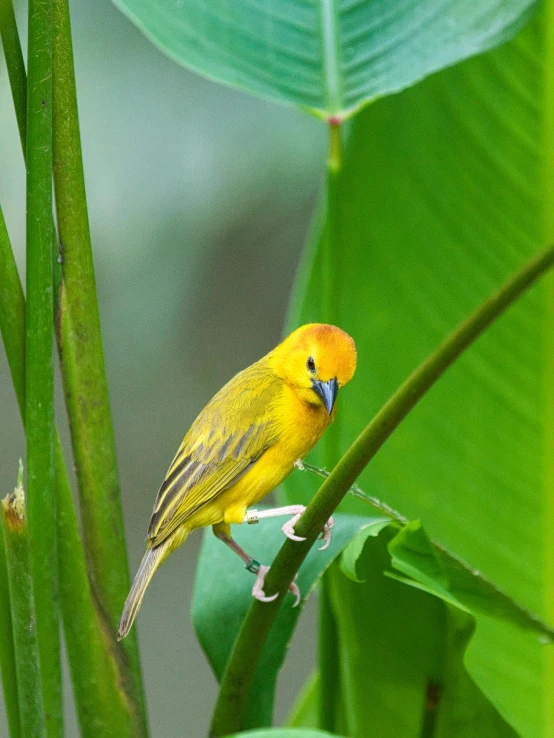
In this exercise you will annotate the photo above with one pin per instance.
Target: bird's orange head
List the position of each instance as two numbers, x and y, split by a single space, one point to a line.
316 360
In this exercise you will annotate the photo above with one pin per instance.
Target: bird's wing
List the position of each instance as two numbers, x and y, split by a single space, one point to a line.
229 435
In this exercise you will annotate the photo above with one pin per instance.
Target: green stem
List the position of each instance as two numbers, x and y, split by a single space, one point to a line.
98 675
12 314
18 84
39 374
8 668
15 65
331 255
243 660
330 445
83 370
30 693
334 161
332 243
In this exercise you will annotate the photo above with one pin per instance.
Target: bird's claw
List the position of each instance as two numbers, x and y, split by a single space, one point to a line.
288 528
295 590
299 465
326 534
258 588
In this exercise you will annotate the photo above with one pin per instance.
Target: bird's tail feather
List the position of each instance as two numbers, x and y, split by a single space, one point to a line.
150 562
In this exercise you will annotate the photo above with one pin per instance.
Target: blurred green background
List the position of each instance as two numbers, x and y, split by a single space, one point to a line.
199 201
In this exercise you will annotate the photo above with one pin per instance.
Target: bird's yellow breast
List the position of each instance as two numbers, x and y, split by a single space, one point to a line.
298 428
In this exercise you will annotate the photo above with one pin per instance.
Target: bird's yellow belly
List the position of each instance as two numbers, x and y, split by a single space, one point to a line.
264 476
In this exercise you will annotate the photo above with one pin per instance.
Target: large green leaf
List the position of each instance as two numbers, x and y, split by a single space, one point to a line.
407 659
412 667
329 56
445 189
221 601
419 563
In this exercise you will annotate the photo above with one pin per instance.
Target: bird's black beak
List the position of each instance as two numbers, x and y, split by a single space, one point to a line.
327 392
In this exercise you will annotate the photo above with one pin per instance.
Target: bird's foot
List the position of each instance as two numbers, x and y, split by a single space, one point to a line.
288 527
288 530
299 464
258 588
326 534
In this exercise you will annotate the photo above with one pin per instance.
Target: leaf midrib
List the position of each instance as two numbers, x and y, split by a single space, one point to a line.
331 50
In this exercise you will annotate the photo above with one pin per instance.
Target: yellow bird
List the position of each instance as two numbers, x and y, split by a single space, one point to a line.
243 444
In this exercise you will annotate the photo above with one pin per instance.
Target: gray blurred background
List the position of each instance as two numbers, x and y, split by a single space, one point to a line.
199 200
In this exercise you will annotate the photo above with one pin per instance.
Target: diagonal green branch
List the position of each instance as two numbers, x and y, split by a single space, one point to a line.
83 370
236 681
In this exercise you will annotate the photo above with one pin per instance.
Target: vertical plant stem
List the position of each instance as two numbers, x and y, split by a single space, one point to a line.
15 65
7 652
12 314
332 255
84 375
30 693
332 237
98 675
328 655
39 375
99 679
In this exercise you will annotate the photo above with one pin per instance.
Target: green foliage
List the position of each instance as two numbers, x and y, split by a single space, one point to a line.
415 645
329 56
219 609
84 374
99 687
444 189
416 561
102 679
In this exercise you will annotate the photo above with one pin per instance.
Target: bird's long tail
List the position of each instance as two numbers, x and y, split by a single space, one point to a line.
150 562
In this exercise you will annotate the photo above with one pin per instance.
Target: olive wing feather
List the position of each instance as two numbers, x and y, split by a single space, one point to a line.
230 434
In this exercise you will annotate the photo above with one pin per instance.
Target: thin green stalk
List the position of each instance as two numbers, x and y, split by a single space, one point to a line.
29 689
332 248
243 660
331 253
39 370
334 162
97 673
15 65
356 491
330 313
18 85
12 314
83 370
7 652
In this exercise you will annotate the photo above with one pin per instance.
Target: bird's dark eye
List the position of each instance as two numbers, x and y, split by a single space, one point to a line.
311 364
